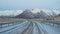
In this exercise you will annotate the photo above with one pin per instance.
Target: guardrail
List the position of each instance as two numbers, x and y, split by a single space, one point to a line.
13 28
6 24
53 23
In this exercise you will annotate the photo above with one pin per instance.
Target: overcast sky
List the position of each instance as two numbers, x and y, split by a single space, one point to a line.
29 4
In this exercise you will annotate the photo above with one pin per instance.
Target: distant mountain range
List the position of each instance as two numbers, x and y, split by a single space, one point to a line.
37 13
32 13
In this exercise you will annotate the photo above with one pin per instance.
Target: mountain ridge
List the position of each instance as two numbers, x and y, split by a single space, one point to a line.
30 13
37 13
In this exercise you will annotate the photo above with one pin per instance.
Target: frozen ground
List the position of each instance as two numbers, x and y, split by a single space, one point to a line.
30 28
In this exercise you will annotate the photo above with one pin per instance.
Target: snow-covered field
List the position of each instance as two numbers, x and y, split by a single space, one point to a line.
29 27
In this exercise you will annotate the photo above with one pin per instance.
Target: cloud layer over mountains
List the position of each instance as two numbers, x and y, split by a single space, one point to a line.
10 12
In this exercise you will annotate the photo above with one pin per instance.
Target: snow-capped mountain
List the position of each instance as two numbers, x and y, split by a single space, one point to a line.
30 13
37 13
25 14
48 12
10 13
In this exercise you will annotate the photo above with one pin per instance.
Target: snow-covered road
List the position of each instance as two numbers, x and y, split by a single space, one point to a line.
30 28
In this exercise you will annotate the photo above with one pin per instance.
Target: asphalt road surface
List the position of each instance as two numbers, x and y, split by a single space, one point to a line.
30 28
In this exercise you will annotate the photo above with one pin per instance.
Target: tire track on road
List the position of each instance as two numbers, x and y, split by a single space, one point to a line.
42 29
39 31
29 29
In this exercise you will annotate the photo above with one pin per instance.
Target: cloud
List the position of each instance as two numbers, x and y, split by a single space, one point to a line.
10 12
